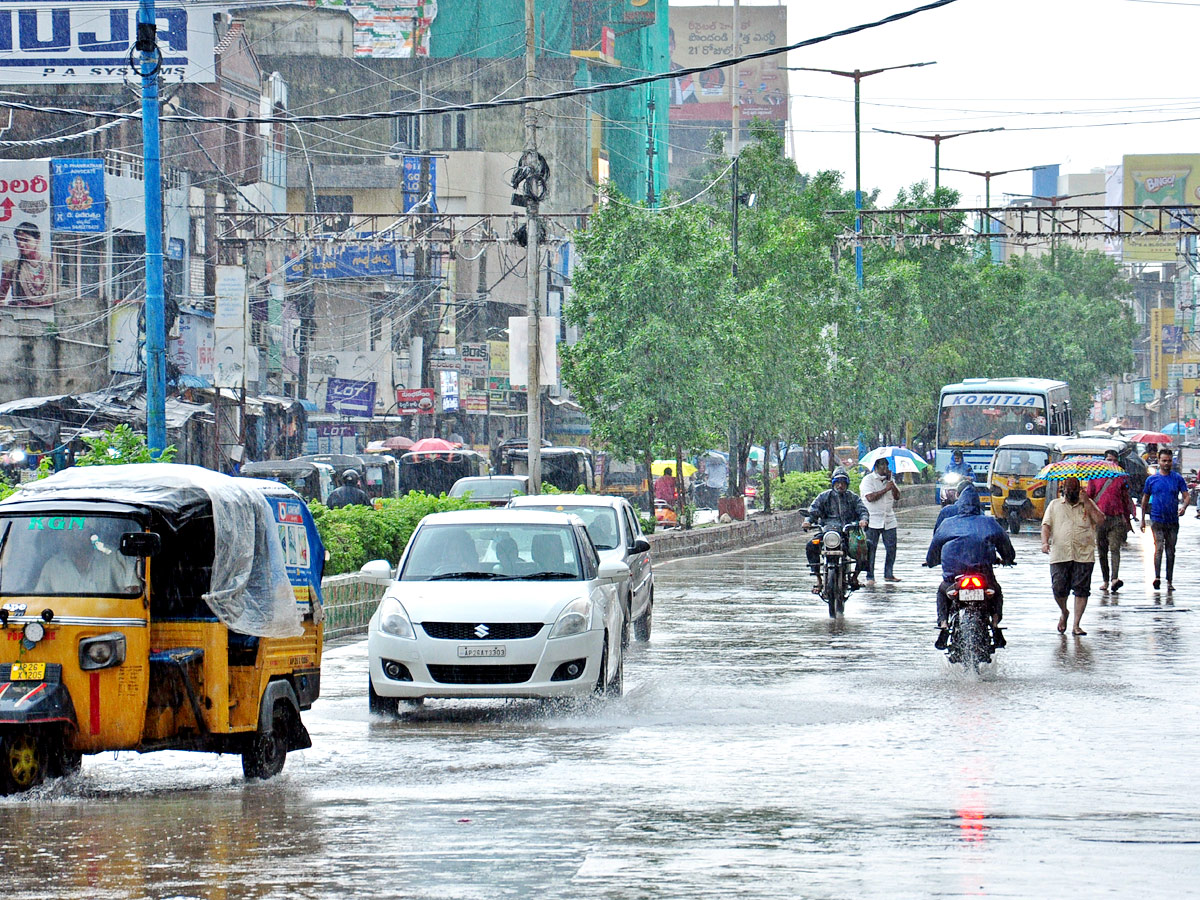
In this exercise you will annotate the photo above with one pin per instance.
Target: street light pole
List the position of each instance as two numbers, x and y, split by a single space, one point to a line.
987 186
937 146
858 75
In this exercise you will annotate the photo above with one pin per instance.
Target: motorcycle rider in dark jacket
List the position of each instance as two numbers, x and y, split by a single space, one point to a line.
969 542
833 510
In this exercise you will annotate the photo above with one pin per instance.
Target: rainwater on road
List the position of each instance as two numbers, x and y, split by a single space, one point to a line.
761 750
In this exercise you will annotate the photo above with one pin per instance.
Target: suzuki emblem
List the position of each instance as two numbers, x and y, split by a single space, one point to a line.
481 631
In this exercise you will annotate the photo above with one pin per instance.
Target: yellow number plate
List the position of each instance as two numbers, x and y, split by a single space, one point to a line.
28 672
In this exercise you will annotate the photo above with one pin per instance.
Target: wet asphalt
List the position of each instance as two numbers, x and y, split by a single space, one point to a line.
761 749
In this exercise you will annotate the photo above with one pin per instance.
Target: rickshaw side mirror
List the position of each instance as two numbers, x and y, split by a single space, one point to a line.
140 543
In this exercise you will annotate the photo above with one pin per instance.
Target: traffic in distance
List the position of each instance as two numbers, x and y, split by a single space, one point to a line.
154 607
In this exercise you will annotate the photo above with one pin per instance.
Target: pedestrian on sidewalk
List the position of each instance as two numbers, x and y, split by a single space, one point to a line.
1162 492
1114 500
879 493
1069 537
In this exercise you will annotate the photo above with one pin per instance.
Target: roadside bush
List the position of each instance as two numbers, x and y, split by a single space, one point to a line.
354 535
801 488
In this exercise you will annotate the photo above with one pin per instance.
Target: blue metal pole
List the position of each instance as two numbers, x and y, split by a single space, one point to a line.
156 339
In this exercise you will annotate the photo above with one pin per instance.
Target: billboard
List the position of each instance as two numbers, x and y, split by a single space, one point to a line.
89 41
347 397
385 28
26 274
704 34
1165 179
229 326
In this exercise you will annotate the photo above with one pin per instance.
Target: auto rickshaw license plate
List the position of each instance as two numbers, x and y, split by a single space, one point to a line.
28 672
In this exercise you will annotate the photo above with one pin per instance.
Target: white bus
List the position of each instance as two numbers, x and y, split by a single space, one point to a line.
975 413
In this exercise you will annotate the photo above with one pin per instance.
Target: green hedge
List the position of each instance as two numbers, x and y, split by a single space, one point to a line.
801 488
354 535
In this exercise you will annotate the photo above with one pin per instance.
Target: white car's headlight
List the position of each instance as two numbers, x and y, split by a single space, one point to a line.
394 620
573 619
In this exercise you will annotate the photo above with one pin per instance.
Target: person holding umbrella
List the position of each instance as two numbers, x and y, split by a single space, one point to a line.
1069 538
879 494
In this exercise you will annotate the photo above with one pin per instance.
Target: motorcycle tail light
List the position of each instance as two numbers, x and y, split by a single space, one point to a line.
970 582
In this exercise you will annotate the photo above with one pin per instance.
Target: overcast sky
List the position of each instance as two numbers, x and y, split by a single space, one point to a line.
1056 66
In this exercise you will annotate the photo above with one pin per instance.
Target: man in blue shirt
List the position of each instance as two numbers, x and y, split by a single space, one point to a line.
1162 492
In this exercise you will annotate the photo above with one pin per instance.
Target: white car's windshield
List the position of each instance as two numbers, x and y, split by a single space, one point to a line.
485 551
71 554
488 488
601 522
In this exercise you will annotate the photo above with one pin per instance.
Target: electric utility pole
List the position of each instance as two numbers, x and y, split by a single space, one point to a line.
156 339
533 385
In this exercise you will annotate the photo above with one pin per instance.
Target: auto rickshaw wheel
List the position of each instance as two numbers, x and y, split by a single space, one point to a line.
266 751
22 762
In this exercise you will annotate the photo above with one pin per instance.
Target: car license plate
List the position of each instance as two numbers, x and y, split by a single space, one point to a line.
481 652
28 672
971 596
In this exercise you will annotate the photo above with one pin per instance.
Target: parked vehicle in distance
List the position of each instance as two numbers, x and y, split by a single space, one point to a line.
435 471
614 528
494 490
311 480
567 468
505 603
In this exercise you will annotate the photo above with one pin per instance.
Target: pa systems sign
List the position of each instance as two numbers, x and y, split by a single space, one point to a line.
88 41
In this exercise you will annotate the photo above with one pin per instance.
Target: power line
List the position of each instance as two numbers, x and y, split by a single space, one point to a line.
512 101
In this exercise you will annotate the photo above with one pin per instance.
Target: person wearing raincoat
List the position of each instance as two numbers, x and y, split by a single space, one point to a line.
833 510
969 542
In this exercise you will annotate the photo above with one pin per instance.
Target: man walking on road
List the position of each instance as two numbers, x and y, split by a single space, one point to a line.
1069 536
1162 492
1113 498
879 493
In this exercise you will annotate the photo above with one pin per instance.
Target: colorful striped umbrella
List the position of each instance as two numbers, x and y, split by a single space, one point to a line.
1085 468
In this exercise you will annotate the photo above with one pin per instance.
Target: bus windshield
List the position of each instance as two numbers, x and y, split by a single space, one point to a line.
980 425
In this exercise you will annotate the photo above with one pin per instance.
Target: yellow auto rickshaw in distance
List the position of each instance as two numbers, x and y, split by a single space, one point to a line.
1017 494
155 607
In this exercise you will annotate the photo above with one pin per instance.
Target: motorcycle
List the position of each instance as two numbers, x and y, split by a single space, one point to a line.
970 642
838 551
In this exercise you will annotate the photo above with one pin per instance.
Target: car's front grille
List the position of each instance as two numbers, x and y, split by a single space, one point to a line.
480 674
482 631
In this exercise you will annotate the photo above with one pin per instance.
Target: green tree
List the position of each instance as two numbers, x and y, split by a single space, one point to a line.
645 295
120 445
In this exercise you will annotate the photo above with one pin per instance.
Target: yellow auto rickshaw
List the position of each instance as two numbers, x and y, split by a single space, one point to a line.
1017 494
155 607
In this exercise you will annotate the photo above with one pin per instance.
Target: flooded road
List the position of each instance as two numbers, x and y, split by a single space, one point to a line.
761 750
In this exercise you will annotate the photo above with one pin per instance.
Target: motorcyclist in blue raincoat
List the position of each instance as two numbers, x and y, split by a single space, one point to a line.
958 466
969 542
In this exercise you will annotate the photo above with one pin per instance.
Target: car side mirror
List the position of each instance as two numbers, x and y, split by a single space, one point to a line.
377 568
140 543
613 570
640 545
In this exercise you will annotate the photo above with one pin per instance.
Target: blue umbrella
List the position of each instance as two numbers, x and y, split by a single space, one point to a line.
1174 428
899 459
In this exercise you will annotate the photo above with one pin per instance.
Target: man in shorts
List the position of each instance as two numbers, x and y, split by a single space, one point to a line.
1113 498
1069 537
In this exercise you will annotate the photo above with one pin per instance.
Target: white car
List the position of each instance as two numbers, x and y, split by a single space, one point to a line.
502 603
615 530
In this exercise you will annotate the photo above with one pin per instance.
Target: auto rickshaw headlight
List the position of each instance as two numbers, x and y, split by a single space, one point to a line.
1039 492
102 651
34 632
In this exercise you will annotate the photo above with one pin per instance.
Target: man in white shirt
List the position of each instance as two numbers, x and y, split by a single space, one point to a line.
879 493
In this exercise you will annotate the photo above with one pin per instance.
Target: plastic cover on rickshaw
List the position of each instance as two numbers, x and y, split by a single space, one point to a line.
249 589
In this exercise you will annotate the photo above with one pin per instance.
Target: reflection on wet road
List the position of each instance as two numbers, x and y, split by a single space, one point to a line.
761 749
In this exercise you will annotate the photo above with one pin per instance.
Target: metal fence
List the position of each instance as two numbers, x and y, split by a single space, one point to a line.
350 601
